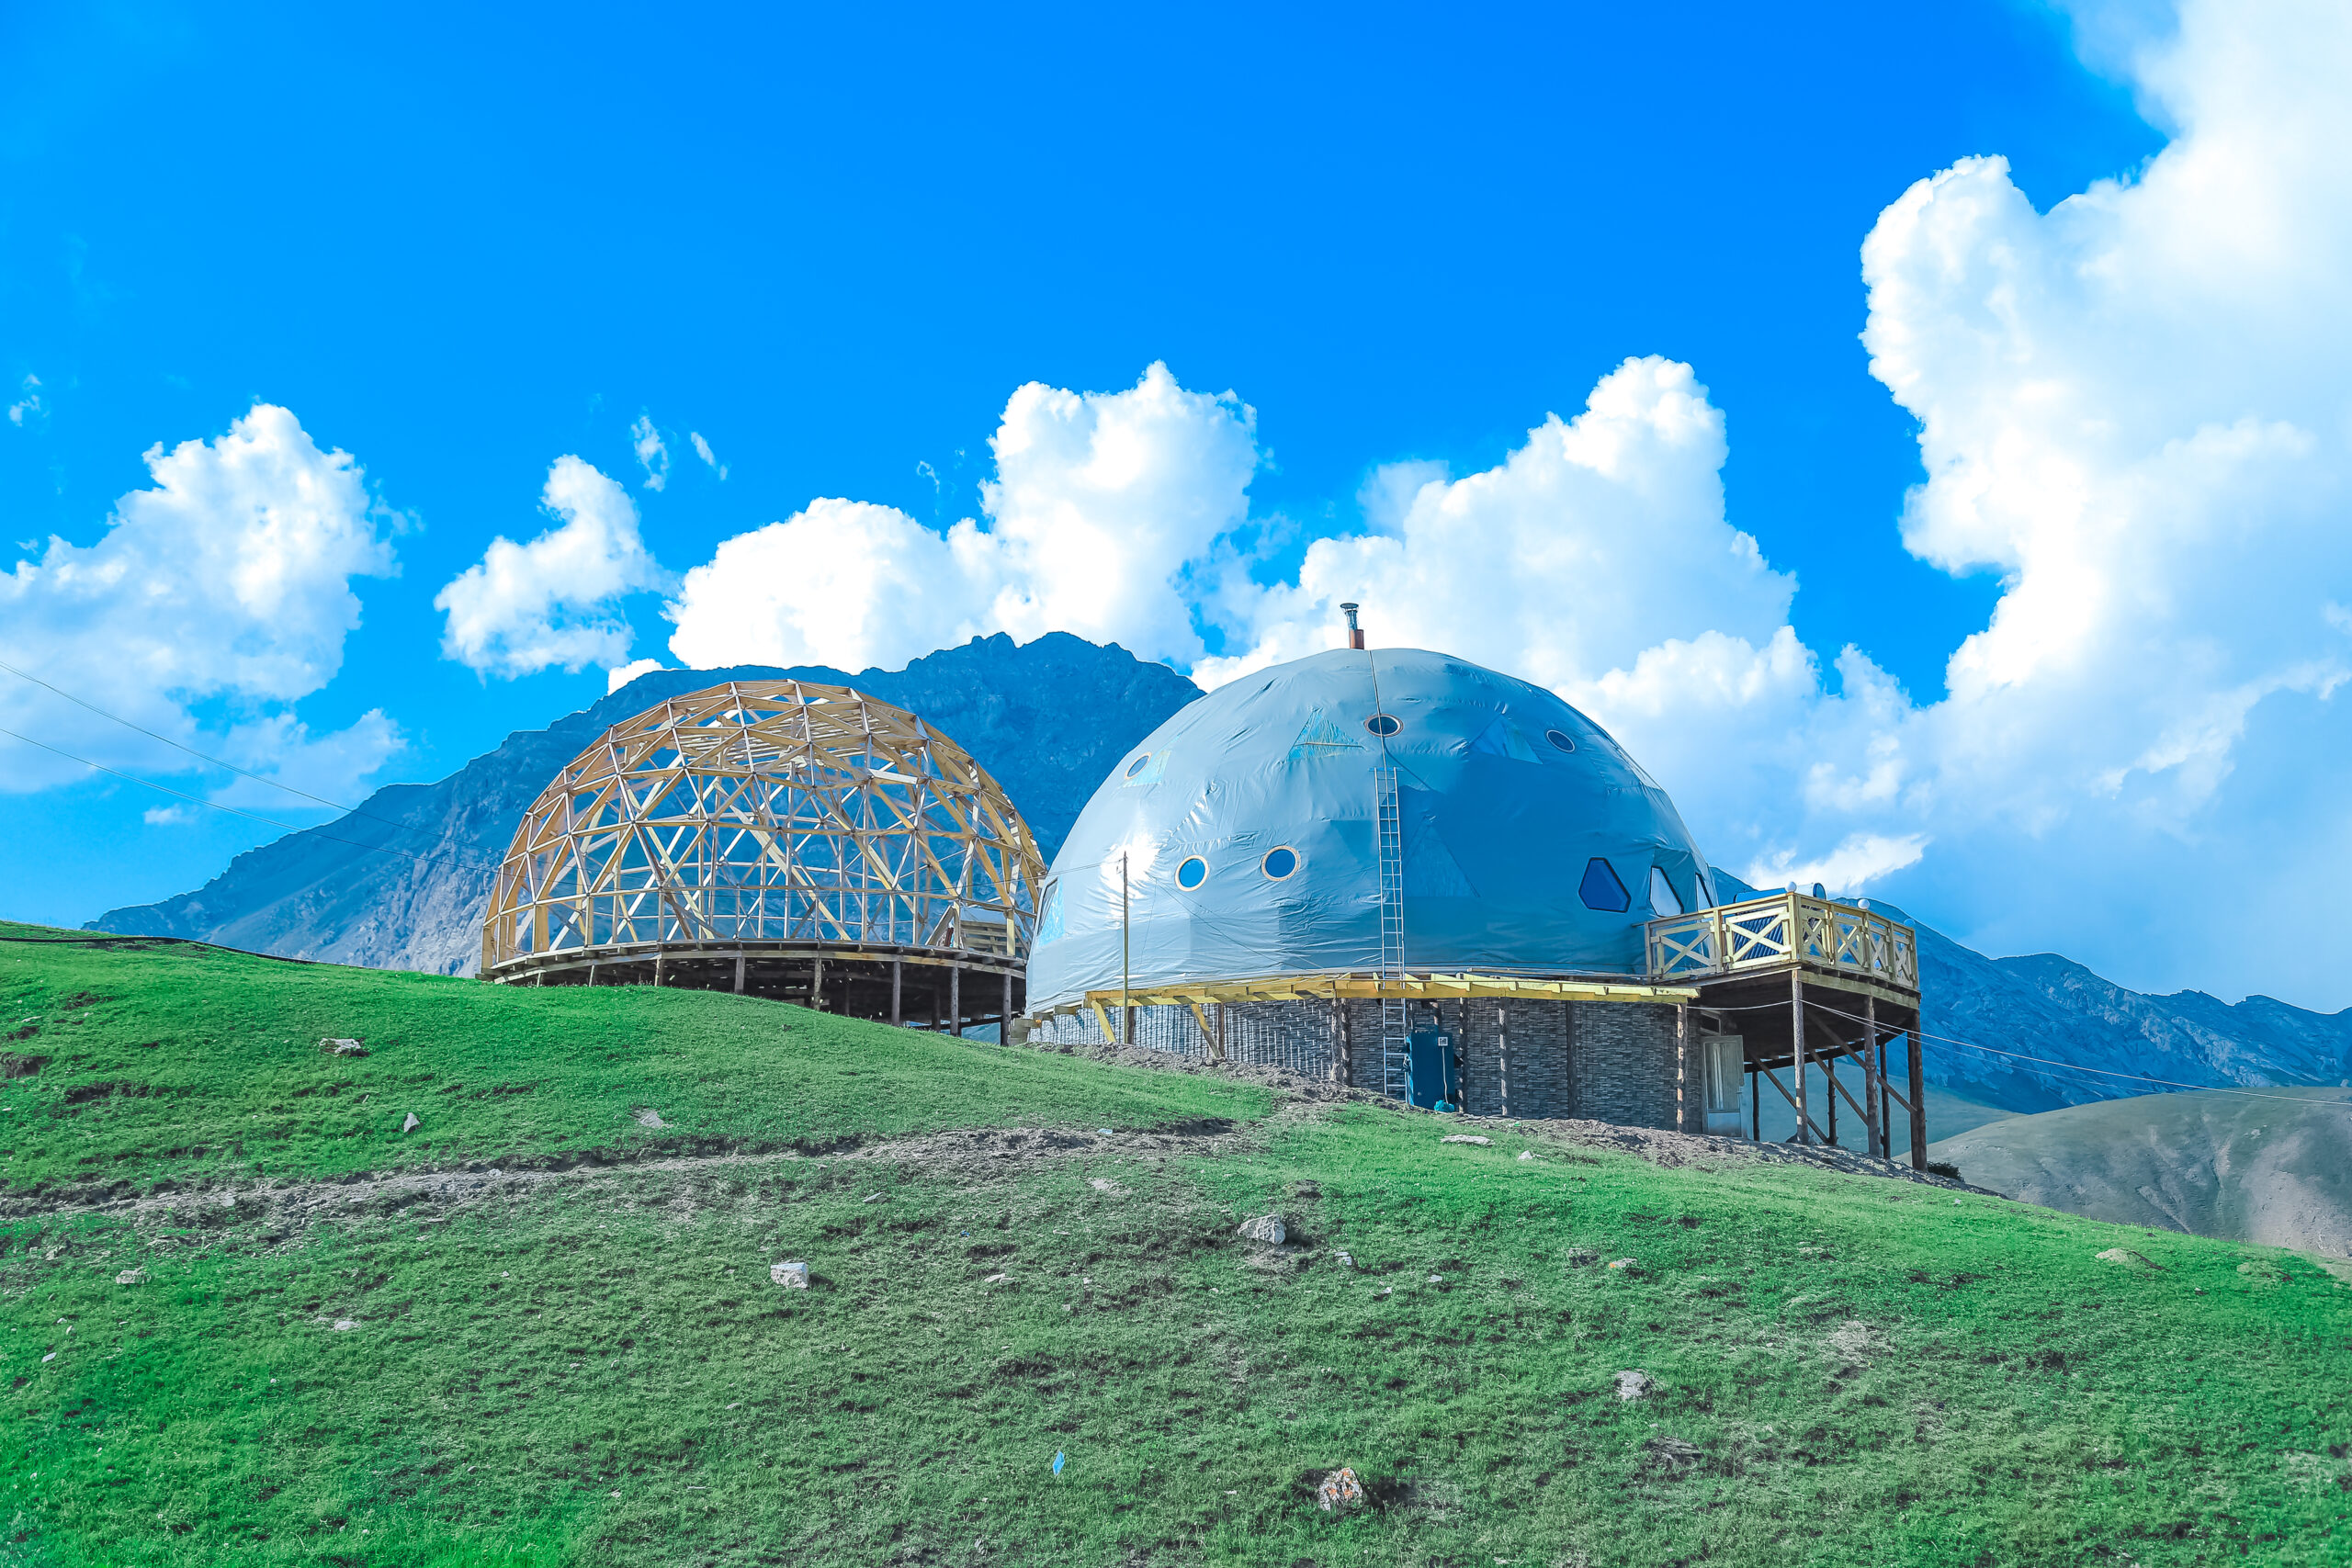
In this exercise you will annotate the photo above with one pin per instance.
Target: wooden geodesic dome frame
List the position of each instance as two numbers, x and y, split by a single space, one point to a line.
779 838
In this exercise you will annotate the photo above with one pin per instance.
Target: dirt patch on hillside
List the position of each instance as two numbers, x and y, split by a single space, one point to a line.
280 1211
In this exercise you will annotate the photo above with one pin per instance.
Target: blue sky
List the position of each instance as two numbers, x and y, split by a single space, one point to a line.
460 247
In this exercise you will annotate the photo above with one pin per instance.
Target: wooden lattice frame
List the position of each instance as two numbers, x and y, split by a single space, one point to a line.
768 812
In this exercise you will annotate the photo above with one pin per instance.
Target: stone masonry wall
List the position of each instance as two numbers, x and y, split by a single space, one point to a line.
1606 1061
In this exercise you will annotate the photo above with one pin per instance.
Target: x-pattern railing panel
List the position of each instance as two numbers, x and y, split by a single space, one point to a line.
1775 931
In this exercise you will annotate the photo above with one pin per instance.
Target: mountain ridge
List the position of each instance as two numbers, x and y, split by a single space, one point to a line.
331 892
1048 719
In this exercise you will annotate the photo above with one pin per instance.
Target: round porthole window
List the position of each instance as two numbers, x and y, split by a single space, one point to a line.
1192 873
1137 766
1382 724
1279 864
1560 739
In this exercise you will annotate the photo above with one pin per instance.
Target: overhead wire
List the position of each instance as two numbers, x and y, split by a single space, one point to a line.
231 810
2078 1068
199 756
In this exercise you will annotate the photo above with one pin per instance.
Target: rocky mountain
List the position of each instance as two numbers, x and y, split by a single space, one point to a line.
1048 719
2274 1167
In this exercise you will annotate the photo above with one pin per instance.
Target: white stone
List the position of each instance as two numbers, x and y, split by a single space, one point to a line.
1634 1385
1339 1492
879 1198
1347 1259
345 1325
1466 1138
649 1116
1625 1266
1265 1228
1527 1153
337 1046
791 1276
411 1124
131 1277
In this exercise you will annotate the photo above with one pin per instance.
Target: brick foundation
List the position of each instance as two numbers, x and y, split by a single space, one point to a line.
1604 1061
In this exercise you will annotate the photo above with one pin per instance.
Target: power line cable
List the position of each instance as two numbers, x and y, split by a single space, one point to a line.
2075 1067
216 806
199 756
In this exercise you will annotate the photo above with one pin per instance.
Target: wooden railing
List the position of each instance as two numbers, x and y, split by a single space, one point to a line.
1776 931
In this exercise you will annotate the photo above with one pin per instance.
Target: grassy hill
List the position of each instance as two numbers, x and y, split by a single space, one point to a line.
539 1329
2272 1165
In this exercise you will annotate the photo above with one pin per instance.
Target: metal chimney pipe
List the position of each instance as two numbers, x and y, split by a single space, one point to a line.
1355 633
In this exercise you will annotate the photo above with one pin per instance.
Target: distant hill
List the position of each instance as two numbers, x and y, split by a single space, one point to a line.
1047 718
2275 1169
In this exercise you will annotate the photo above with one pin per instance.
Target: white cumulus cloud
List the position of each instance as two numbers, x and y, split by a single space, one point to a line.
225 587
621 675
1601 538
1104 518
651 452
554 601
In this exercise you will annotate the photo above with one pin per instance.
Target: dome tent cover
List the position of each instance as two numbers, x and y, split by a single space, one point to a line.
1248 822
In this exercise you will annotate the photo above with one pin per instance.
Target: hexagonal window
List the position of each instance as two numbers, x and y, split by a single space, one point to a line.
1602 889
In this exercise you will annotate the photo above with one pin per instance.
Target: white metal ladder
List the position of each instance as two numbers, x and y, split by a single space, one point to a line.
1396 1031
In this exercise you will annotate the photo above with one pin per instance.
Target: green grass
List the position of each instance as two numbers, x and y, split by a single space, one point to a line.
592 1366
195 1064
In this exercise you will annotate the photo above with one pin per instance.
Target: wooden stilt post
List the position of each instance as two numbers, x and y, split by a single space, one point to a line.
1874 1102
1885 1106
817 984
1829 1072
1754 1102
739 973
1004 1030
898 990
1220 1032
955 1001
1347 1041
1682 1067
1339 1048
657 968
592 974
1918 1102
1796 1031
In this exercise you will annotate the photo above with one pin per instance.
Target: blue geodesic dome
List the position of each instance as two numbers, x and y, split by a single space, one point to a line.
1530 843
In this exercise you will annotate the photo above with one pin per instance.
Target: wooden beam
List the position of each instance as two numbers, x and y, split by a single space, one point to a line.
1842 1050
1919 1105
1105 1020
1772 1077
1796 1029
1874 1116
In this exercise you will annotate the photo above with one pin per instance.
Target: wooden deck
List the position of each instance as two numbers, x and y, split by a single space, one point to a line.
1779 932
1753 963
